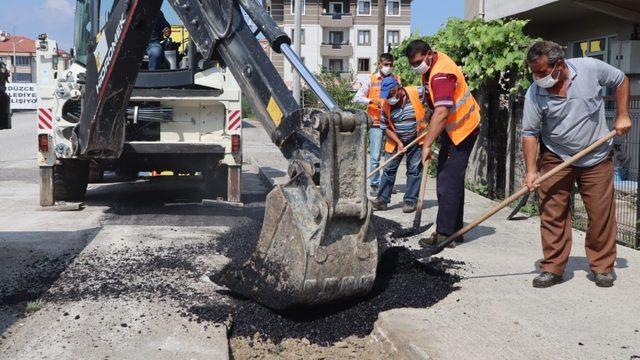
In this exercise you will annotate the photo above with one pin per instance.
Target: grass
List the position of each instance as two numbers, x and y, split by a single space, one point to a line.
480 189
33 306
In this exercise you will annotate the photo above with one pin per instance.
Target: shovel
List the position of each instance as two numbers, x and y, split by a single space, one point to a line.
416 229
423 185
437 248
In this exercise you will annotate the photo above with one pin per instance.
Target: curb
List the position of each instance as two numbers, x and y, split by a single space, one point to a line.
267 176
391 344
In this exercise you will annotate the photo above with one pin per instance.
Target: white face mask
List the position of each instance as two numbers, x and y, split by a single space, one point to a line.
547 81
386 70
422 68
393 101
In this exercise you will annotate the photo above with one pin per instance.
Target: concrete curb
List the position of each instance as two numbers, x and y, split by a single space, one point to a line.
394 342
270 177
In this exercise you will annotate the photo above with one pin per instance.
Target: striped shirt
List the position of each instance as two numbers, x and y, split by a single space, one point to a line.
404 119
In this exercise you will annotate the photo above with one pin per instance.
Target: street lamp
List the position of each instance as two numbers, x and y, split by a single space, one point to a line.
14 59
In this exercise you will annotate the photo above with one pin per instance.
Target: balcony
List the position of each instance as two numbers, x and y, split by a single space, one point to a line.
337 20
336 49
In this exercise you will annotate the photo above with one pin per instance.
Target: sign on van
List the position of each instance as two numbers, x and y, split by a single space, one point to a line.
23 96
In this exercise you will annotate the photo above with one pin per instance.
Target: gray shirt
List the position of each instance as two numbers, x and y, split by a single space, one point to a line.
569 124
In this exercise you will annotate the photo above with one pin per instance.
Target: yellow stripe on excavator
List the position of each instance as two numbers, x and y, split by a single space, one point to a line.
274 112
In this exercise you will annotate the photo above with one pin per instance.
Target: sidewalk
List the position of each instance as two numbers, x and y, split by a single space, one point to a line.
497 314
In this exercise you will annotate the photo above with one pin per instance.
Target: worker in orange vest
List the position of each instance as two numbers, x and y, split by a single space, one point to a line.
369 95
403 118
455 121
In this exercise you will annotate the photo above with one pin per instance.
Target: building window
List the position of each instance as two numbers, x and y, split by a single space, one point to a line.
23 61
393 37
293 38
293 7
393 7
21 77
364 7
336 37
364 65
364 37
336 7
335 65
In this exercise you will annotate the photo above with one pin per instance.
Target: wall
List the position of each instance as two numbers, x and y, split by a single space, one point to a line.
496 9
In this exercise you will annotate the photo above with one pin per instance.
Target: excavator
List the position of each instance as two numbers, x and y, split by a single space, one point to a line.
316 244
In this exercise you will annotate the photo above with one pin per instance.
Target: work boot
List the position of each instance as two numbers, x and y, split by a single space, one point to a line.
379 204
604 279
408 207
373 191
546 279
435 238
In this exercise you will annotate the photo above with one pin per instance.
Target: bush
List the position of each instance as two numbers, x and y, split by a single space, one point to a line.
485 51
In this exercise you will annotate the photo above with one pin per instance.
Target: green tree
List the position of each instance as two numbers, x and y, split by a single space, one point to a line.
485 51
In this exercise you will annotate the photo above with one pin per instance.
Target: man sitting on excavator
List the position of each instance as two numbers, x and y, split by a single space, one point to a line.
155 51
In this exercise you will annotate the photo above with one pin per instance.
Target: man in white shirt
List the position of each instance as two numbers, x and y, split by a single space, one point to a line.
369 95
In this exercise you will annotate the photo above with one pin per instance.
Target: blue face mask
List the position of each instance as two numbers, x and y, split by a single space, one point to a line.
393 101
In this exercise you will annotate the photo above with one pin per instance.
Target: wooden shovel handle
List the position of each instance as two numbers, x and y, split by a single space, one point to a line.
524 190
410 145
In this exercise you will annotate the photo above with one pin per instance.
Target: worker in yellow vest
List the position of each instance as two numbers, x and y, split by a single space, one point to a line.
369 95
455 121
402 119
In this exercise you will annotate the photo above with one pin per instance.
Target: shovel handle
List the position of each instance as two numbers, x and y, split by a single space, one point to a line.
423 185
524 190
410 145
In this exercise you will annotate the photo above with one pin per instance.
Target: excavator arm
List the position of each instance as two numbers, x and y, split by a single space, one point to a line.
316 244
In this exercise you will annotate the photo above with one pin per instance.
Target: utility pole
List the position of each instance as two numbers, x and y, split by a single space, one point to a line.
297 44
381 18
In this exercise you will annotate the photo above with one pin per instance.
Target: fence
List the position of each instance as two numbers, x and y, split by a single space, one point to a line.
626 179
496 166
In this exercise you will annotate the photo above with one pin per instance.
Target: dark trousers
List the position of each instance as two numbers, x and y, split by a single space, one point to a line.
452 166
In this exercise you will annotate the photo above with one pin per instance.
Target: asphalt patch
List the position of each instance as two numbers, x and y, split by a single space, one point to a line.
171 273
401 282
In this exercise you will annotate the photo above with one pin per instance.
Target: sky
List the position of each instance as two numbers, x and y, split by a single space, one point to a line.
55 17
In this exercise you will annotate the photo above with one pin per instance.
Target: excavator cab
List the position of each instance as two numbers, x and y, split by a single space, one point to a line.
316 244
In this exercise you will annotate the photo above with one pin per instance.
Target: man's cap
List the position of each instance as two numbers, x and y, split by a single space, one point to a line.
388 84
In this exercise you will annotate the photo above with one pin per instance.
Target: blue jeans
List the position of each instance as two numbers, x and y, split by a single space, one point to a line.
375 151
155 52
414 176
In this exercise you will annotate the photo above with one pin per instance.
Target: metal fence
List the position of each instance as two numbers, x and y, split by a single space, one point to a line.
626 179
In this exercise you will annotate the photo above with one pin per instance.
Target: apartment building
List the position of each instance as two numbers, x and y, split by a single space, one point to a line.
340 35
608 29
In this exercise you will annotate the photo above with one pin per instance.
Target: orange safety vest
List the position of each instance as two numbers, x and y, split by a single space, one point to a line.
375 89
464 116
414 97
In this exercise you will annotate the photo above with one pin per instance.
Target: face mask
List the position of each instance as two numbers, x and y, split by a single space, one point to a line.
386 70
393 101
547 81
422 68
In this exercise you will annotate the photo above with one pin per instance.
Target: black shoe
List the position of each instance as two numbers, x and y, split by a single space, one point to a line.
435 238
373 191
379 204
408 207
604 280
546 279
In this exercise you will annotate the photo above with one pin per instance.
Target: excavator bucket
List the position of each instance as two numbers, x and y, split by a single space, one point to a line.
316 244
